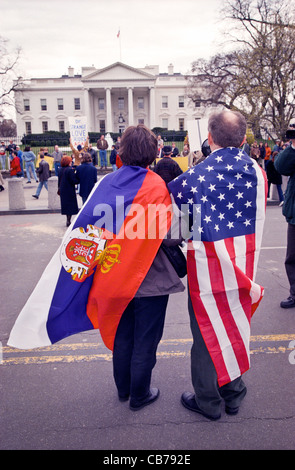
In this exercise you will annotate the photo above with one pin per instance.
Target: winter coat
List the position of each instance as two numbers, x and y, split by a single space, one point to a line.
273 176
67 180
43 170
15 166
285 165
87 177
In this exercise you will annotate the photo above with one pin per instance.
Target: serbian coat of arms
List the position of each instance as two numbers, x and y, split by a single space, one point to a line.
83 251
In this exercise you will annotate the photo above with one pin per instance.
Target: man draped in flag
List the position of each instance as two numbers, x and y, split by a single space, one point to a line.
110 272
226 196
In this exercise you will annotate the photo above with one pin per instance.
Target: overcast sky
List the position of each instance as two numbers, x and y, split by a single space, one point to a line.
55 34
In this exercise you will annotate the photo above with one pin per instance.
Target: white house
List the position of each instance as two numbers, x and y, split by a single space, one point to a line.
112 98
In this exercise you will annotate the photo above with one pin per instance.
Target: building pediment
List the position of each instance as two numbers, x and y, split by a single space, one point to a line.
117 71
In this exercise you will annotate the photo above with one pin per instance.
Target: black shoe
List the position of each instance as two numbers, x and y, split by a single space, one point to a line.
231 411
189 402
152 396
288 303
36 197
1 188
28 182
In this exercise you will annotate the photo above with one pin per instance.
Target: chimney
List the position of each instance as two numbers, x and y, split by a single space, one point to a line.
70 71
170 69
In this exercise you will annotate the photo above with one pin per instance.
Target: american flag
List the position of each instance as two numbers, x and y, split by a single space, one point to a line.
226 198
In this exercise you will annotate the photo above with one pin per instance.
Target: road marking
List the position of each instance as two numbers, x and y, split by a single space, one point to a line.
13 356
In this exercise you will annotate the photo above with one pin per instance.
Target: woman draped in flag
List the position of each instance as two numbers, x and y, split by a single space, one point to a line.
111 273
226 195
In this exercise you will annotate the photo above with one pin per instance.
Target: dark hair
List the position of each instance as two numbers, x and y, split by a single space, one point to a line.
27 149
138 146
227 128
86 157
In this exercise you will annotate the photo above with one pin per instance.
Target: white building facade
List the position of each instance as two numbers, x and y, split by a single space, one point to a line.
112 98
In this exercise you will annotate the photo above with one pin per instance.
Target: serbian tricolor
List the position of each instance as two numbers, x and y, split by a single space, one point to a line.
226 196
103 259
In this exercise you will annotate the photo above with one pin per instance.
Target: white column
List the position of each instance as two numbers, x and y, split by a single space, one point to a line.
152 108
87 108
109 123
130 107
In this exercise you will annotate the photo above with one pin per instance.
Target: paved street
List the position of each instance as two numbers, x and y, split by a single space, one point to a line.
64 397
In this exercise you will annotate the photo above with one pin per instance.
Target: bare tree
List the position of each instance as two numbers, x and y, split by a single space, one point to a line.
258 77
9 75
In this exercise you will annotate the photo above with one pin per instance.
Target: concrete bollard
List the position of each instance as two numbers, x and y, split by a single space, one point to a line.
16 194
53 197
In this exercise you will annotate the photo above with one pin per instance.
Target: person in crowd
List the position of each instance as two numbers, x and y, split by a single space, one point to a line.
167 168
262 153
43 174
228 191
113 157
175 151
278 147
274 177
20 156
267 155
285 165
29 159
87 176
57 156
93 153
10 147
15 168
102 146
255 153
78 152
3 155
67 181
190 155
117 144
1 182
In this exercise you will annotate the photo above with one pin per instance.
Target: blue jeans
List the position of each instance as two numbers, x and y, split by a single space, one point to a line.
30 168
56 167
40 186
137 338
103 157
3 161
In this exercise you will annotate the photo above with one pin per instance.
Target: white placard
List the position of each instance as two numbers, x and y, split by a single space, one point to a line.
78 130
197 133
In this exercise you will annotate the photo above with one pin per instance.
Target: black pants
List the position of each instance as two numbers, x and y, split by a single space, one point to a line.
137 338
290 258
208 394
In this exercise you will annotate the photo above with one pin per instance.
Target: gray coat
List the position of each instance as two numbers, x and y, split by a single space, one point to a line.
43 170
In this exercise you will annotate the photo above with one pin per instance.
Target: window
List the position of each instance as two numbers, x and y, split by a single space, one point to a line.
44 126
181 101
43 105
60 104
165 123
141 121
61 126
197 102
181 124
77 103
120 103
28 127
164 101
140 103
100 103
102 126
26 105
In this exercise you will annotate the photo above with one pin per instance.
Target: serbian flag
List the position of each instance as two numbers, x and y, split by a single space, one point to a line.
226 199
103 259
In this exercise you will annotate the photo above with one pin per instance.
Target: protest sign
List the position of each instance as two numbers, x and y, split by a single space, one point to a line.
78 130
